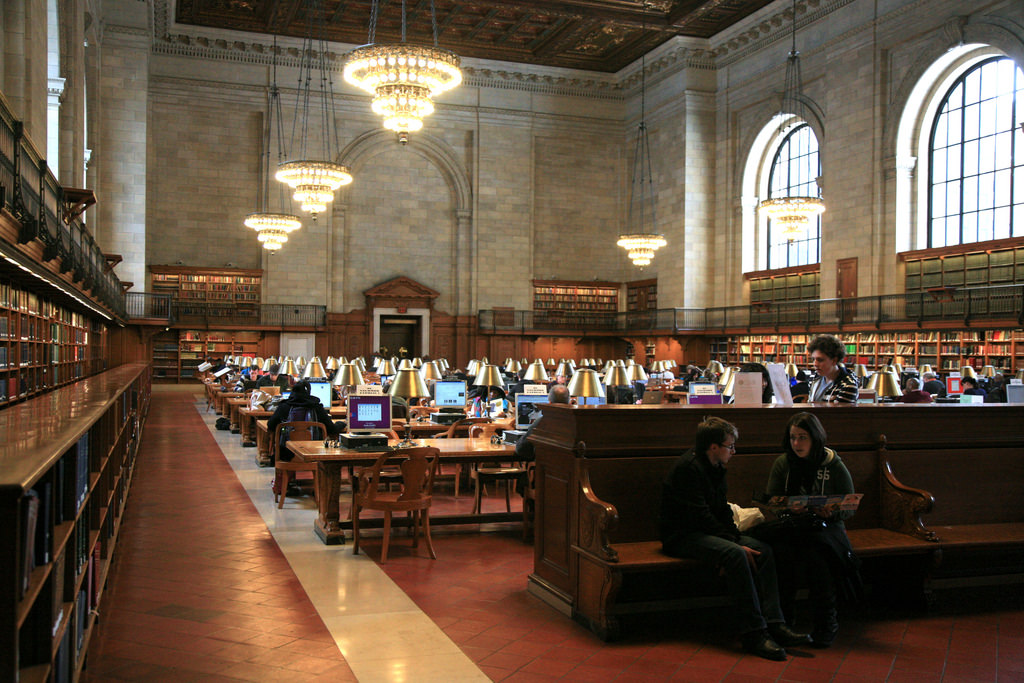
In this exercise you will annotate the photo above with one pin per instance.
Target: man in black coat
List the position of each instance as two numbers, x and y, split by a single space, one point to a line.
697 523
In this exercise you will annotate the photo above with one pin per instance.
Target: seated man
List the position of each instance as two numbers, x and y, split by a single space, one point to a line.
524 447
932 385
697 522
914 393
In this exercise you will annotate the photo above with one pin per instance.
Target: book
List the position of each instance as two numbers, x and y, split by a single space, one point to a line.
840 501
30 515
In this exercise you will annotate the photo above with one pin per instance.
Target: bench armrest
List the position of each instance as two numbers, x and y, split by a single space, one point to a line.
902 506
597 518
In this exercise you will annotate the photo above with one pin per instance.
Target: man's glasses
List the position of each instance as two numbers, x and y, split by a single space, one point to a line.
730 446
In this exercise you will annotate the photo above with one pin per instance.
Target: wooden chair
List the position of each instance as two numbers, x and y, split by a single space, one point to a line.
482 474
461 428
299 431
415 497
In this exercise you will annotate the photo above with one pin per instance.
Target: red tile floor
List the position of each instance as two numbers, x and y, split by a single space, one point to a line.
202 593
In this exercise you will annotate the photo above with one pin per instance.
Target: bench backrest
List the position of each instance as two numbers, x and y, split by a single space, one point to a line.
971 486
633 486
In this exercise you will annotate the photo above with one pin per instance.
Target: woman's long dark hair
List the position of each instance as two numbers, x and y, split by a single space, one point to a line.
802 470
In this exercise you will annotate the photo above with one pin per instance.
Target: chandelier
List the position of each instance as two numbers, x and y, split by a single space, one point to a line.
403 78
271 228
641 238
792 214
314 181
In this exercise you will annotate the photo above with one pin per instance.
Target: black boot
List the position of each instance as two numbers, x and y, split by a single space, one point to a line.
826 623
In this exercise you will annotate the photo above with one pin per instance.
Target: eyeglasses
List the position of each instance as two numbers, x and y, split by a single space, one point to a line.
730 446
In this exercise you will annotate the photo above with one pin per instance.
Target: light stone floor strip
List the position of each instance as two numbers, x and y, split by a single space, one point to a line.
381 633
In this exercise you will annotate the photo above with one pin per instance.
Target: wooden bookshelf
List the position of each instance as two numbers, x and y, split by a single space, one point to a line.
568 302
976 265
944 350
43 345
642 295
196 345
196 289
65 470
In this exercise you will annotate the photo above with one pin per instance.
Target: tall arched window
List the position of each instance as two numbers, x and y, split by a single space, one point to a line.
976 184
794 173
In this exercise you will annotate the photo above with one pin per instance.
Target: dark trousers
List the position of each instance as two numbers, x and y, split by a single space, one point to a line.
804 564
756 592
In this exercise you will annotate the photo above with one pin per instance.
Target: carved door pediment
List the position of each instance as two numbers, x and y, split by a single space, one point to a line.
400 292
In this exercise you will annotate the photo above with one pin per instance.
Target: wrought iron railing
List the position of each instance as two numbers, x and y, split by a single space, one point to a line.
36 200
963 306
141 305
212 314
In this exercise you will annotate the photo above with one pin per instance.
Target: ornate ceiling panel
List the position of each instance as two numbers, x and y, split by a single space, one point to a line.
598 35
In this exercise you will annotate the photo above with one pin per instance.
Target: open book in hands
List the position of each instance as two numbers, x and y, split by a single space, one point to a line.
845 502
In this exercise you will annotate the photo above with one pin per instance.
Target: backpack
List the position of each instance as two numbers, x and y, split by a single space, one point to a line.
223 423
297 414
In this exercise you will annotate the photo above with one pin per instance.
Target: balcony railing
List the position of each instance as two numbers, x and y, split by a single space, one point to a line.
37 200
256 315
148 306
961 306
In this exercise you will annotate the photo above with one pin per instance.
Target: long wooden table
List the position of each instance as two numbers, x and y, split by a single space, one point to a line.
329 526
247 418
264 447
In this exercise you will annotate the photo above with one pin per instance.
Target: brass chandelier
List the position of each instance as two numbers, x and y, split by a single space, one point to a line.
641 238
403 78
272 229
314 181
792 214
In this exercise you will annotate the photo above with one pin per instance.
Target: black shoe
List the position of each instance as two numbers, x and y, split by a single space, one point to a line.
761 644
787 637
826 625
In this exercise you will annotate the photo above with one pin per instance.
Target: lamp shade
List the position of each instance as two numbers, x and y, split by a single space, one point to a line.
257 362
1019 374
926 368
417 362
513 366
332 363
443 364
616 377
267 363
636 373
716 367
536 372
409 384
406 364
489 376
429 370
861 371
724 378
473 368
586 383
792 370
484 360
986 371
247 362
314 369
385 368
348 375
288 368
968 371
564 369
300 362
888 384
730 384
551 363
362 364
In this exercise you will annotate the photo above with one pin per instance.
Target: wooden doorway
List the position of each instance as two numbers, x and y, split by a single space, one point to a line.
399 332
846 288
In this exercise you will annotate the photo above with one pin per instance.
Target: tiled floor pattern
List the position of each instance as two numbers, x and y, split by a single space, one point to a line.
170 627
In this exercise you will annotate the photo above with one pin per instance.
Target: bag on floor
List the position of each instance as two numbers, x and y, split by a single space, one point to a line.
223 423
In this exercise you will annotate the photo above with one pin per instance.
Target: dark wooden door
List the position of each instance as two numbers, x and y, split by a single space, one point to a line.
846 287
397 333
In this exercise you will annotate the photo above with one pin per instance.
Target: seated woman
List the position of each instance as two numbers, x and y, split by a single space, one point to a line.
971 388
808 467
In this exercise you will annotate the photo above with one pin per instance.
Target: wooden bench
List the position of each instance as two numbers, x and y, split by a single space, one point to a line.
978 517
621 568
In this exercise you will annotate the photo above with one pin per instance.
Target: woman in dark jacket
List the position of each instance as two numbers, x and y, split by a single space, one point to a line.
300 404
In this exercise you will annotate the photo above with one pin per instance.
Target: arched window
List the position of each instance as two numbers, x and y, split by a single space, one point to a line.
976 183
794 173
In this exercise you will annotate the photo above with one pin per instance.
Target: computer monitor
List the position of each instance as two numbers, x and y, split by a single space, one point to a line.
322 390
286 394
368 414
450 393
528 408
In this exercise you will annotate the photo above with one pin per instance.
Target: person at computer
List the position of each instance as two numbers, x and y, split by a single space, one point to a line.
913 393
524 447
697 523
970 387
996 390
274 378
933 385
800 386
767 393
307 407
834 383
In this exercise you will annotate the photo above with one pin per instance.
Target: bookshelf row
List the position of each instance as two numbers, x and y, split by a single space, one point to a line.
43 345
176 353
943 350
189 285
785 287
990 267
642 295
68 466
553 296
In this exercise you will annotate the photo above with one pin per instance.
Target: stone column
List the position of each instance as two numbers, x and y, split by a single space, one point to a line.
464 299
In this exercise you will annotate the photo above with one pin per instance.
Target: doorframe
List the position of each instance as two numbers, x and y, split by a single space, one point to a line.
422 313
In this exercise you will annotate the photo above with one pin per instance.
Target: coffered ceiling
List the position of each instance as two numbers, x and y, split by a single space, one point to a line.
598 35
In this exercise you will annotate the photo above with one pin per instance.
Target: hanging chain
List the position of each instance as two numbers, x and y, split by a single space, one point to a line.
433 21
403 21
374 12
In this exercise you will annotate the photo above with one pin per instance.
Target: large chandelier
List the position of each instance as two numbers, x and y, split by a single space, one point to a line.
314 181
403 78
641 238
792 214
271 228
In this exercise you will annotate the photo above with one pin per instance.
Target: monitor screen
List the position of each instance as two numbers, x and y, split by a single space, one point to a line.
528 408
450 393
591 401
369 414
285 394
322 390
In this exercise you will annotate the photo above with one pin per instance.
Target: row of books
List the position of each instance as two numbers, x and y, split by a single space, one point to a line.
17 299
